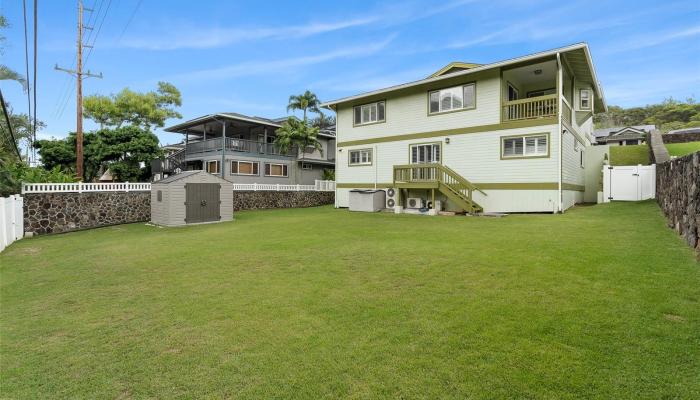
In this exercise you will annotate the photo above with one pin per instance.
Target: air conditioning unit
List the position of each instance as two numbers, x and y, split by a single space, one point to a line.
415 202
390 198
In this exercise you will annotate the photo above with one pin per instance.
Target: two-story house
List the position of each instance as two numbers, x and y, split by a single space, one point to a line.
509 136
241 149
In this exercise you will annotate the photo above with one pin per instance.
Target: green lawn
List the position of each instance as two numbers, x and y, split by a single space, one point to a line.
629 155
682 149
601 302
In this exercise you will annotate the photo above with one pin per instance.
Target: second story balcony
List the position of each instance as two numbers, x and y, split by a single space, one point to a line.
251 147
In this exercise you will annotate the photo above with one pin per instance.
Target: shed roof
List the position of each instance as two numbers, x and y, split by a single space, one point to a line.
186 174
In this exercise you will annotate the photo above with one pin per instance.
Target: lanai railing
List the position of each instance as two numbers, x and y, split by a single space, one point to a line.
531 108
238 145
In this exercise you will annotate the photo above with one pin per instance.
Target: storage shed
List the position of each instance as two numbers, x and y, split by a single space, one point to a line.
191 197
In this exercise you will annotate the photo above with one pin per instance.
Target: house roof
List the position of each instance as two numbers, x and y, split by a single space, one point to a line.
580 61
231 116
684 131
605 132
454 67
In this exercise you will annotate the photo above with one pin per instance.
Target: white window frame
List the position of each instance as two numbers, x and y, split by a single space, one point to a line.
523 145
452 108
590 99
285 168
582 158
432 149
238 167
216 162
372 110
307 166
364 157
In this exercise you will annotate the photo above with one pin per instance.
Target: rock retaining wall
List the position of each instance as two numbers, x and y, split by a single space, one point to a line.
254 200
678 194
65 212
681 137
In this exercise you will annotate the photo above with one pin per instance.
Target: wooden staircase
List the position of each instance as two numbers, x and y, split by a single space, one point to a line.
437 176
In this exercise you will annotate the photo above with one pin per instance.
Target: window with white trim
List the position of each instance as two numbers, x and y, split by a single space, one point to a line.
585 97
524 146
245 167
582 160
276 170
369 113
360 157
212 166
425 153
454 98
306 166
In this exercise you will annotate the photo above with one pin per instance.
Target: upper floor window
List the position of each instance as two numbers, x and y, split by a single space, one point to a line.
360 157
585 96
369 113
452 99
525 146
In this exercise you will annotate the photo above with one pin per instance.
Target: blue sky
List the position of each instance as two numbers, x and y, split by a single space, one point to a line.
249 56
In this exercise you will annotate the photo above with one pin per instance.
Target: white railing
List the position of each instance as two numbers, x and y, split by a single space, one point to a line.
11 220
80 187
318 186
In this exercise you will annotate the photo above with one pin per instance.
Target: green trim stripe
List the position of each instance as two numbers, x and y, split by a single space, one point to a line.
451 132
483 186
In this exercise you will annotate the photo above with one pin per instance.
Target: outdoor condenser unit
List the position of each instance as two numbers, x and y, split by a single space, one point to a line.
415 202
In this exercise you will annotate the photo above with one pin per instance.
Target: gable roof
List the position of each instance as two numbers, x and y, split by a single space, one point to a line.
605 132
453 67
581 63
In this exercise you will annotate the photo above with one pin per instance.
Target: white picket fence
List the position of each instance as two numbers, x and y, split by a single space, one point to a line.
79 187
11 220
318 186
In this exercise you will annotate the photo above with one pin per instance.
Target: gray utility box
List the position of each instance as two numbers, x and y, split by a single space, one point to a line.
367 200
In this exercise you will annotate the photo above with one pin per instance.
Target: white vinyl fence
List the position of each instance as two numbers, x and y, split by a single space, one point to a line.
629 183
11 220
79 187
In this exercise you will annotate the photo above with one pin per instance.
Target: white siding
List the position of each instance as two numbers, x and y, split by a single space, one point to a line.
408 113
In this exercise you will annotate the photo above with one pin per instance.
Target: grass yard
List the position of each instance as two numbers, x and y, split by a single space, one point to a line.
601 302
682 149
629 155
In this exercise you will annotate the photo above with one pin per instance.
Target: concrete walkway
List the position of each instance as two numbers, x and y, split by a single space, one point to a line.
657 147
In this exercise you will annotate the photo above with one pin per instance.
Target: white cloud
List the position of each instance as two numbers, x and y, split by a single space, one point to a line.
194 37
648 40
284 65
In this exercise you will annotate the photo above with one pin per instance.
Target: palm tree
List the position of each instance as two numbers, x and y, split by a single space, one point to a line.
306 101
296 133
323 121
5 72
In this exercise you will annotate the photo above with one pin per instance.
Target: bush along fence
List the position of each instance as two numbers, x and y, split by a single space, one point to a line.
678 195
65 207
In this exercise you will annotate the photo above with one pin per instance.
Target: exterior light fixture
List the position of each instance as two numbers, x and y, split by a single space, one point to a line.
447 140
538 72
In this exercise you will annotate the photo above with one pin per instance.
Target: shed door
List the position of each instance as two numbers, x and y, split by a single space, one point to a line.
203 204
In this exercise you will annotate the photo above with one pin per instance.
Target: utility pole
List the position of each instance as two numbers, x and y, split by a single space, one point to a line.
79 75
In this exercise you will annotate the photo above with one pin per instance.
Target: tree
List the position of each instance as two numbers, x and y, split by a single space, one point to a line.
306 101
125 149
143 110
297 133
6 73
323 121
60 153
667 115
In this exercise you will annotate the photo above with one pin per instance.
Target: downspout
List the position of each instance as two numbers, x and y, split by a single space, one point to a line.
376 165
560 134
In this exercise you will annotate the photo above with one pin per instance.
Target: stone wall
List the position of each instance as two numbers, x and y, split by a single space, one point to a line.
678 194
681 137
254 200
65 212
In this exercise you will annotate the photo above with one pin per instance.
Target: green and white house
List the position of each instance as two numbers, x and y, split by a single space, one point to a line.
509 136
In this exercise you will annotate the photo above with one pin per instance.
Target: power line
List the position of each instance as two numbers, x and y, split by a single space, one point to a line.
128 22
35 62
9 125
26 65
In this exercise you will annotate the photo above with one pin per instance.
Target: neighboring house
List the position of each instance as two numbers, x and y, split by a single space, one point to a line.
623 135
241 149
504 137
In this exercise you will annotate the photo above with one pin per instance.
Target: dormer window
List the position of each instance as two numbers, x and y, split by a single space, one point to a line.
585 98
369 113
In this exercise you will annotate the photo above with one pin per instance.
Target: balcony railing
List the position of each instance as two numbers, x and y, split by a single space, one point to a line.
531 108
238 145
